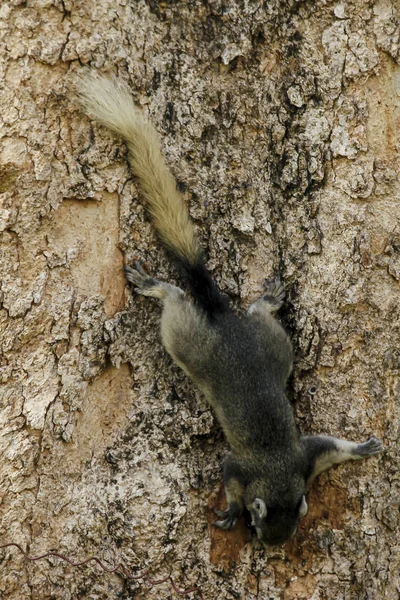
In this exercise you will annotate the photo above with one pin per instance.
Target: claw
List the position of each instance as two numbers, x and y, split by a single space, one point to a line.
133 276
226 524
128 270
274 292
371 447
140 269
138 277
228 518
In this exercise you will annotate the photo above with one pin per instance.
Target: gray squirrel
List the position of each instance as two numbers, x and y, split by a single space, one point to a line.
241 363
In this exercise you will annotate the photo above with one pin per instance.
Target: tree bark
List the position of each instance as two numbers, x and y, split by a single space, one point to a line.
280 121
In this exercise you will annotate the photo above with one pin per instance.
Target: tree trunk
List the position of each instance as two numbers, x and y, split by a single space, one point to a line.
280 121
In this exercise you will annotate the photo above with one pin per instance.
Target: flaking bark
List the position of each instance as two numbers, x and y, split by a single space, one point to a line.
281 125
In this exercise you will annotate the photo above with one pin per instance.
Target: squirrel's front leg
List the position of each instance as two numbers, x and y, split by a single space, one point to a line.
234 492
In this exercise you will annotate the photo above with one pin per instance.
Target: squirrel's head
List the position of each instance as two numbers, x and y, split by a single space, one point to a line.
275 516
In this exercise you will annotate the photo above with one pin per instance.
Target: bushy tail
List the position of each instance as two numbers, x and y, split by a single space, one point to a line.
111 103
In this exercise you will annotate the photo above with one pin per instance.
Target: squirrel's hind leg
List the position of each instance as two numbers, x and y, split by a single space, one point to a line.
146 285
272 299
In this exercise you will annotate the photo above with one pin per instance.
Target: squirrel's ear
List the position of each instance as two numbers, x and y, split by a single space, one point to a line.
303 507
259 508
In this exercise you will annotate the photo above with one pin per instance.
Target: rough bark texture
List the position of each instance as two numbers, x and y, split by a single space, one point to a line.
280 120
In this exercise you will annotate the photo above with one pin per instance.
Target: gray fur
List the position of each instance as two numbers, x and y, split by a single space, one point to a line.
241 363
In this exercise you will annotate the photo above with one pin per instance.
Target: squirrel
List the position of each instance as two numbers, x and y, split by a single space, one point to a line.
241 363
